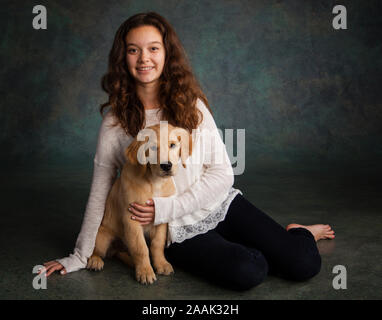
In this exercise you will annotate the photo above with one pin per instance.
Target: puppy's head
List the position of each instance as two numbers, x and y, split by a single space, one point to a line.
161 150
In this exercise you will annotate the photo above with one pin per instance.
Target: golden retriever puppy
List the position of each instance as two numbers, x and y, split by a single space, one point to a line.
147 173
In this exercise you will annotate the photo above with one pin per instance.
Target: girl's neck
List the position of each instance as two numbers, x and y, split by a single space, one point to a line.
148 94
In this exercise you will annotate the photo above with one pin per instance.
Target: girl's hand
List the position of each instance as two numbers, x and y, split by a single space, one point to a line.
52 266
143 214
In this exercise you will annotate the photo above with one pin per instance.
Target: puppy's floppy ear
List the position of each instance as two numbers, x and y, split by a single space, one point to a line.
185 139
136 154
131 152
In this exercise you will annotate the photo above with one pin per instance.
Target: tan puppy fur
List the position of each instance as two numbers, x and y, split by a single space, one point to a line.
138 183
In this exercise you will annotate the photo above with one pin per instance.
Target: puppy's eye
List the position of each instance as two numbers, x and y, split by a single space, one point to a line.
172 145
153 148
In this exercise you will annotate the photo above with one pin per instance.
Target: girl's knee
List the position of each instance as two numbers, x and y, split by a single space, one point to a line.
249 271
306 268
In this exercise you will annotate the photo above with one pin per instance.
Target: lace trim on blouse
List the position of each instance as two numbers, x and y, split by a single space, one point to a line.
181 233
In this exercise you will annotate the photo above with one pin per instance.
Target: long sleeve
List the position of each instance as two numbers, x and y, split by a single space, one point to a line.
216 179
103 178
104 173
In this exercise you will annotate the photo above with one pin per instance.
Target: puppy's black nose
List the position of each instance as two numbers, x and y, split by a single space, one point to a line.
166 166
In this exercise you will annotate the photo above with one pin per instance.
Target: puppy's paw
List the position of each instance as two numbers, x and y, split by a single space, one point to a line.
164 268
95 263
145 274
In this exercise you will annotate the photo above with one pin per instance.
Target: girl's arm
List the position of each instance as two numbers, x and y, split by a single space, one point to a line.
104 173
103 178
215 181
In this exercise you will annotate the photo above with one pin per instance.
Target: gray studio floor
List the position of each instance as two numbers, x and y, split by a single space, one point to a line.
42 212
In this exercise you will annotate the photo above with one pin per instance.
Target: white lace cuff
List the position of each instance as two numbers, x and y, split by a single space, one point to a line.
181 233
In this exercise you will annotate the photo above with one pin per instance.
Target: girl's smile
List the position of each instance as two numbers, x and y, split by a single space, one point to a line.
144 70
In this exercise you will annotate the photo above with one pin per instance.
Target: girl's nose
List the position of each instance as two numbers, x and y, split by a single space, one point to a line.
144 56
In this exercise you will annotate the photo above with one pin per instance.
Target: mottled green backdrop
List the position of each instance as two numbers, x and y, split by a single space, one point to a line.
306 94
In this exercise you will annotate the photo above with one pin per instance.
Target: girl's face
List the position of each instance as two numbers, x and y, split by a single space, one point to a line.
145 54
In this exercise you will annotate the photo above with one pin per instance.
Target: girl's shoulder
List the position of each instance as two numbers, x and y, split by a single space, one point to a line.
201 106
110 127
208 120
108 117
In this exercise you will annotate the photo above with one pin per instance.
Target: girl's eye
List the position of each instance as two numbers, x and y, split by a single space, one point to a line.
131 50
154 48
153 148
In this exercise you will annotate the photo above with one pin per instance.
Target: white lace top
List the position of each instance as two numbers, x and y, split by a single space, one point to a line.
203 189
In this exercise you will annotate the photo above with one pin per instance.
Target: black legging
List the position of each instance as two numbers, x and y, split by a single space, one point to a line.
243 248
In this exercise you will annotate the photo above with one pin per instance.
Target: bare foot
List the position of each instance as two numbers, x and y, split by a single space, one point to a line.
319 231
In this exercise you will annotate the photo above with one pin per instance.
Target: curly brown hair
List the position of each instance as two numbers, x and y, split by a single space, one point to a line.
178 87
